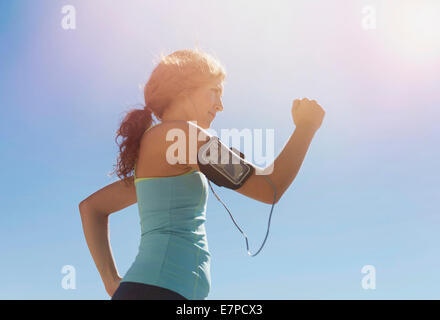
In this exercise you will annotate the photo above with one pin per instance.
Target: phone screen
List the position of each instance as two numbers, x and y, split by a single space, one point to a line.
236 171
231 165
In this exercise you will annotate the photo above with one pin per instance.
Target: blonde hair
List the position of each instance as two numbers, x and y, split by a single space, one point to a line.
182 70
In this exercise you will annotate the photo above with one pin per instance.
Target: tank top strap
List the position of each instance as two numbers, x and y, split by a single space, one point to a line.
136 159
135 170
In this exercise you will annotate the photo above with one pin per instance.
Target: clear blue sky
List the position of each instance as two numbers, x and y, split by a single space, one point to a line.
367 193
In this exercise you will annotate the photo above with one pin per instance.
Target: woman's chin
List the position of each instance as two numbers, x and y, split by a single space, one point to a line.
205 124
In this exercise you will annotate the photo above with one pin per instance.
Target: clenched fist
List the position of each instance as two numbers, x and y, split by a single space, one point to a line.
307 113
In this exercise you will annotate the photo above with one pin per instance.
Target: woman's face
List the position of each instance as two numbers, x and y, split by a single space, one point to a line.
205 102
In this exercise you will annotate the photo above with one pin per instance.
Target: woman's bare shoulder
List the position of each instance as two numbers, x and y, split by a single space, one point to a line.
153 160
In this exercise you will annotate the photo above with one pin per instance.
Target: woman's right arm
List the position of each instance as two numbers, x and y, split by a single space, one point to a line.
307 116
284 169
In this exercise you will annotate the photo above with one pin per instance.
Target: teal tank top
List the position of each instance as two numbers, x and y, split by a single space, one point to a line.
173 250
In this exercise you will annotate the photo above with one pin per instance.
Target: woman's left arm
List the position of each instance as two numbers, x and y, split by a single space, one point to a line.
113 197
94 211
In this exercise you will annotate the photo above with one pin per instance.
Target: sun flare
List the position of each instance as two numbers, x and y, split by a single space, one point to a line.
414 29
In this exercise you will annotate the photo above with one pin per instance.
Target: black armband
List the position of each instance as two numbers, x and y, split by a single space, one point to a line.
222 165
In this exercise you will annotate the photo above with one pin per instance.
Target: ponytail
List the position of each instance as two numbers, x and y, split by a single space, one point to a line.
132 128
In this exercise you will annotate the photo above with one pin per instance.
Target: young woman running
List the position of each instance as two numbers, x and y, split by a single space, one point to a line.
173 262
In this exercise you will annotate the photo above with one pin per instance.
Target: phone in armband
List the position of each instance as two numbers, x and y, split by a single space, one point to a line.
222 165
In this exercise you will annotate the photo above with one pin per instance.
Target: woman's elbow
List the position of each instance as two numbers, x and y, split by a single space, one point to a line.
83 207
271 199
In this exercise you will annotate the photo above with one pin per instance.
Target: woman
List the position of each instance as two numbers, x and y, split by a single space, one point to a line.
184 89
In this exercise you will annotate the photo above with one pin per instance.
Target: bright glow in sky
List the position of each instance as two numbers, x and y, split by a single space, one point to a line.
413 28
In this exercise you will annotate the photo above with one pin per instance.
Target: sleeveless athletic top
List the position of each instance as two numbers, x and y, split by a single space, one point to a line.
173 251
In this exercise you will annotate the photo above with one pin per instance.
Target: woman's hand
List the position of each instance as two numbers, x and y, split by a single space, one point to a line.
307 113
112 285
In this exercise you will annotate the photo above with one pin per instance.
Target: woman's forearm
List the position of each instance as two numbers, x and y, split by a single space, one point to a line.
96 231
289 161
